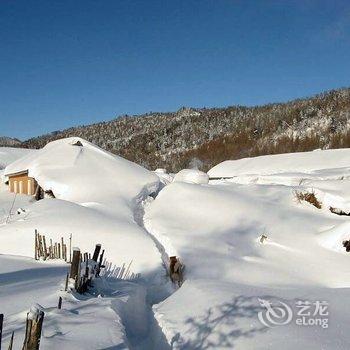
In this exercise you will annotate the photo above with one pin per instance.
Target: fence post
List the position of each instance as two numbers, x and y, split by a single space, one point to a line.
70 248
59 303
36 247
96 252
98 270
66 285
35 318
45 250
1 326
11 341
75 263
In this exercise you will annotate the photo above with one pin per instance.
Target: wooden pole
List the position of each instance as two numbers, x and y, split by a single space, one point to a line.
75 263
66 285
36 246
1 327
70 248
11 341
62 247
35 318
98 270
86 266
41 251
96 252
51 249
45 251
59 303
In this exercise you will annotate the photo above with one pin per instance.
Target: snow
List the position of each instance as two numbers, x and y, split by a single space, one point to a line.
303 162
213 227
24 282
9 155
98 196
164 177
193 176
84 173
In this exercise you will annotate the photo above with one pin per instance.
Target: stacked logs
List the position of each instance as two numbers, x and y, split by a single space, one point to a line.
55 250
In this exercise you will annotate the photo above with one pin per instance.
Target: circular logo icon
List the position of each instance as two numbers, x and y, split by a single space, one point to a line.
274 315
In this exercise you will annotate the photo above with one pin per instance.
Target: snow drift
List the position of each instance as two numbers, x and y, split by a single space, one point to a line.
98 197
191 176
215 231
78 171
97 194
303 162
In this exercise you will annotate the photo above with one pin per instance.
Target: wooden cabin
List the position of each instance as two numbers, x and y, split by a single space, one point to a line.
21 183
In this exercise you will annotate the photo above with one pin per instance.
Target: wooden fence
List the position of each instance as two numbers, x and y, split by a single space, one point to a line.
47 249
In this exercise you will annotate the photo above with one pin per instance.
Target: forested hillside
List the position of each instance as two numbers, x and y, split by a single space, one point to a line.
204 137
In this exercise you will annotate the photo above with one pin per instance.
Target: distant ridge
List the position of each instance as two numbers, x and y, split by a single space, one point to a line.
9 142
203 137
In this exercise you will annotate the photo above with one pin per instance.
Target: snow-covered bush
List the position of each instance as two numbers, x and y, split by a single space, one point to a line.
192 176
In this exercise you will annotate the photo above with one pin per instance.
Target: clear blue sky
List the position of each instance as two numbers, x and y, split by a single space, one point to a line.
66 63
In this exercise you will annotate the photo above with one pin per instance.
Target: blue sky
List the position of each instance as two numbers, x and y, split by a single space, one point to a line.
66 63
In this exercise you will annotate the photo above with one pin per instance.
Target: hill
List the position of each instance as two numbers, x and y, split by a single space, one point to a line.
204 137
9 142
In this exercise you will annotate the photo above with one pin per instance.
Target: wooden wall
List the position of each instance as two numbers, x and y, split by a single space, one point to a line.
22 184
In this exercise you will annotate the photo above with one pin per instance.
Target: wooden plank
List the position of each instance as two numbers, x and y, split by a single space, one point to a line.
96 252
35 318
75 266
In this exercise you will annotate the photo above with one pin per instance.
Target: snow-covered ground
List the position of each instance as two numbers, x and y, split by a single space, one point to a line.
98 198
215 231
213 228
303 162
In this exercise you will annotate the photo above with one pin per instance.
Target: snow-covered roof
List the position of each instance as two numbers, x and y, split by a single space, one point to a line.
83 173
304 162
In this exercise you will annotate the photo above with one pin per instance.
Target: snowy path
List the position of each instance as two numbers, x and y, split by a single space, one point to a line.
157 290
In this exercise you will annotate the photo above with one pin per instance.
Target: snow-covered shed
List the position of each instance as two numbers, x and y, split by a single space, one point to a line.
76 170
20 182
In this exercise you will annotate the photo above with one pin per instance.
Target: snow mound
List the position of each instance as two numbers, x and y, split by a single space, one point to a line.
97 197
228 270
302 162
192 176
78 171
